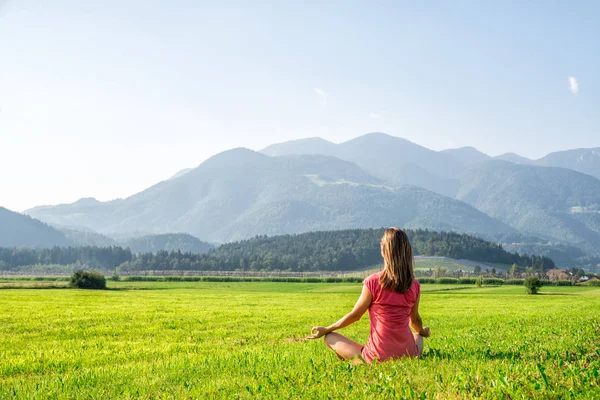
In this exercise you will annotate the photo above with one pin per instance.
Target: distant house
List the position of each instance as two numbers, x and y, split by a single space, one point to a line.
594 278
557 274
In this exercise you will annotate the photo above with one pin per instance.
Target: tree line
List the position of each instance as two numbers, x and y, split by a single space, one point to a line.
314 251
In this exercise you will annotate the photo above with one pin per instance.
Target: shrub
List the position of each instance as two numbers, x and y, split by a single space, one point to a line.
311 280
426 280
593 283
493 281
479 282
532 285
115 277
467 281
563 283
446 281
87 280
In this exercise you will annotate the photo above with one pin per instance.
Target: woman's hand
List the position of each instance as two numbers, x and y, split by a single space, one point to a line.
317 332
426 332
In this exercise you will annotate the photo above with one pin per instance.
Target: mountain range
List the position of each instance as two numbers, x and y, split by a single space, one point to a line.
371 181
241 193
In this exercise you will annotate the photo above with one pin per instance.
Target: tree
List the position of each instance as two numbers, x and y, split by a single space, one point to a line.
477 269
532 285
440 272
513 270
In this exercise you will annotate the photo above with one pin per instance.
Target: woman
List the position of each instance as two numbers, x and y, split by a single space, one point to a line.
392 298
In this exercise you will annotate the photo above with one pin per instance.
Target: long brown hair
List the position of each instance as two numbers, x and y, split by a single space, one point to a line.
397 275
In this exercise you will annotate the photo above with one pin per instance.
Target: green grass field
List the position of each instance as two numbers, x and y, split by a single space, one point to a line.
454 265
244 340
427 263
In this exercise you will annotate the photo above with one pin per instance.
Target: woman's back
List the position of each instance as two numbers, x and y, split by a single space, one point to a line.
392 299
389 314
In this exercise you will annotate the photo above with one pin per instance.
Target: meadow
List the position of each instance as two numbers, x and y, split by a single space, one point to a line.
245 340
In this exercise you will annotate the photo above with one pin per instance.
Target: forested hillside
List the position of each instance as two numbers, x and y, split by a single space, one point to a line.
104 258
553 203
21 230
169 242
314 251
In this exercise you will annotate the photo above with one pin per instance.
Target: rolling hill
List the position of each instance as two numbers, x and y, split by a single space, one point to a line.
169 242
553 203
18 230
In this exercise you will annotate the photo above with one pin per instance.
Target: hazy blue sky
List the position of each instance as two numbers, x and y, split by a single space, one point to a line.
104 98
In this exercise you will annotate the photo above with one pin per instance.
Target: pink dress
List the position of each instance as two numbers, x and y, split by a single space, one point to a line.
389 314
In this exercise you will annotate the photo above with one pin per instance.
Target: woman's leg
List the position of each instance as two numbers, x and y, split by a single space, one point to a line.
420 343
343 347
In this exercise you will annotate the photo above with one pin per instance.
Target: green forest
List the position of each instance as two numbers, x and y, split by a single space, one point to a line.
344 250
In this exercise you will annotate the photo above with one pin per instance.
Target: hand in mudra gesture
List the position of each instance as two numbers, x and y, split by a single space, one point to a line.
317 332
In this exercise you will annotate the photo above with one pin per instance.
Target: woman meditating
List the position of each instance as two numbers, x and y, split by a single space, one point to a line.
392 298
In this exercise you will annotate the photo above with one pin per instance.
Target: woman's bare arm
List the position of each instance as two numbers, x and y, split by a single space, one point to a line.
361 306
416 323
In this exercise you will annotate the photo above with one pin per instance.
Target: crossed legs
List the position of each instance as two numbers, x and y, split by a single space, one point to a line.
343 347
347 349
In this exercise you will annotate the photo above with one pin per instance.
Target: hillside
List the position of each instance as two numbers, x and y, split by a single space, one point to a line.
313 251
240 193
310 146
169 242
467 155
514 158
393 159
87 237
332 250
505 190
552 203
18 230
180 173
586 161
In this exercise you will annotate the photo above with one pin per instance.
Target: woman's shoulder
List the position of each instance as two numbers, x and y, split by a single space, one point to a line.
416 285
372 281
372 277
415 289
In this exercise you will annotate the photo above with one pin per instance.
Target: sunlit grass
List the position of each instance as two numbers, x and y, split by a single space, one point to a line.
227 340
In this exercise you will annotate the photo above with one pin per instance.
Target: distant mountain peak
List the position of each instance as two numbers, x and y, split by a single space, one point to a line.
237 155
86 201
312 145
586 161
464 148
379 136
514 158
